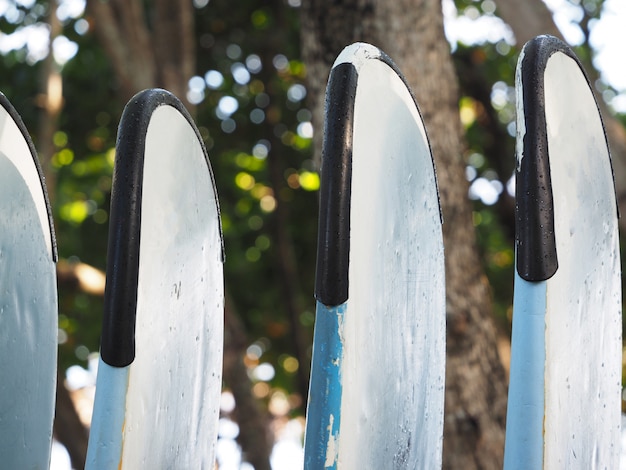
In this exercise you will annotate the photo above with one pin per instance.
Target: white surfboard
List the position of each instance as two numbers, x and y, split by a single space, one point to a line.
565 385
28 301
377 380
159 377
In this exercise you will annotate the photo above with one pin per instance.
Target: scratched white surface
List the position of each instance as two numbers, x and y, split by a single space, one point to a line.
583 320
175 381
28 308
394 325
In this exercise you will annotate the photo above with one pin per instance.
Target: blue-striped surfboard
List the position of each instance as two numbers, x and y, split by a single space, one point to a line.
28 301
159 376
377 380
565 384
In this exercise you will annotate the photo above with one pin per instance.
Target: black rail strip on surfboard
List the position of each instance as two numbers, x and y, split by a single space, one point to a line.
120 301
537 258
333 242
6 104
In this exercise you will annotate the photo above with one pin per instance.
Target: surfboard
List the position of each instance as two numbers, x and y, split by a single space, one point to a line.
377 380
159 376
28 300
565 383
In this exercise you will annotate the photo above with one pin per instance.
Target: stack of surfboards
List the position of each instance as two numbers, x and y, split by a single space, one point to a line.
377 382
159 378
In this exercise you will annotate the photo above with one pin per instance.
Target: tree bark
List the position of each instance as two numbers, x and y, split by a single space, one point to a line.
147 47
174 44
411 32
527 19
51 104
122 31
68 429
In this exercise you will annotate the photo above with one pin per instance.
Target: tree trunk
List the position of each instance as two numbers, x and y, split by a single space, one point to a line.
147 47
527 19
52 104
173 42
68 429
411 32
122 31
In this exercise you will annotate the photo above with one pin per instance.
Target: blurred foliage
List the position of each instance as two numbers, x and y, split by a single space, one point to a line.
250 106
251 110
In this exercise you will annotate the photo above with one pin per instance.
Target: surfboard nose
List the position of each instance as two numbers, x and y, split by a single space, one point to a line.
376 396
159 383
565 387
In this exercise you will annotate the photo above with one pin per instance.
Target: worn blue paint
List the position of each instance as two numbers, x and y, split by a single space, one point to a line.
324 407
525 410
107 423
378 363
